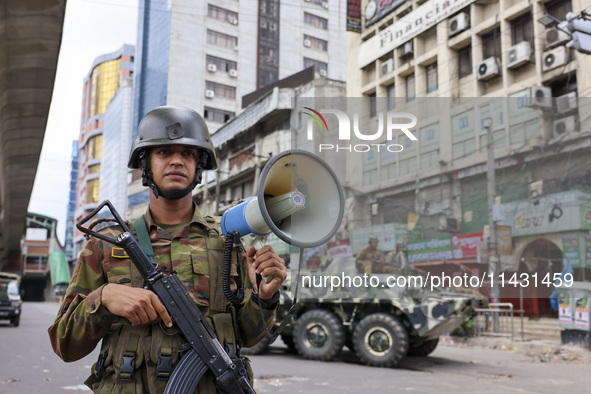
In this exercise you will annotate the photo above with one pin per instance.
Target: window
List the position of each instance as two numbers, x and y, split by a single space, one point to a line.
94 169
463 135
373 105
315 21
559 8
319 66
522 29
391 96
491 44
217 115
410 87
431 77
221 64
465 61
220 90
407 158
222 14
221 39
95 147
315 43
92 190
370 167
429 145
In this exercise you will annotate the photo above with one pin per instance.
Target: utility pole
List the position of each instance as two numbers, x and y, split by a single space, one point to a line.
491 188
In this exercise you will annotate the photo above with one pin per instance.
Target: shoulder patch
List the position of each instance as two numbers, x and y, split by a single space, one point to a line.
119 253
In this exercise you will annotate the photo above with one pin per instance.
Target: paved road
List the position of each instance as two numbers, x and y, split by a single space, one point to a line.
28 365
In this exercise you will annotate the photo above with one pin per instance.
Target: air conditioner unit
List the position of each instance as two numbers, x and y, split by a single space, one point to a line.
323 73
554 58
540 96
233 73
233 21
566 102
555 36
488 69
563 126
263 24
449 224
209 93
387 67
519 55
307 43
459 23
405 49
212 67
325 5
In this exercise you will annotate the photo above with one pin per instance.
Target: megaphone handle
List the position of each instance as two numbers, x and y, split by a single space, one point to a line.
258 242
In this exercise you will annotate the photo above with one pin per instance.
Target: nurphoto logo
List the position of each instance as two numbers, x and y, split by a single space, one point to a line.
388 123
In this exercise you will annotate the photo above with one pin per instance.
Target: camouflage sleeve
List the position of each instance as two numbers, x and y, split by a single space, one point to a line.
82 321
361 256
250 323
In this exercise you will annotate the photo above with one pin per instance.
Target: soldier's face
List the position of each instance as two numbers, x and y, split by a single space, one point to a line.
173 167
373 244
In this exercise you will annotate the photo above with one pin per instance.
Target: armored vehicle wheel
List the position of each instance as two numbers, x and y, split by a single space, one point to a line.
424 349
288 340
380 340
15 321
259 348
318 335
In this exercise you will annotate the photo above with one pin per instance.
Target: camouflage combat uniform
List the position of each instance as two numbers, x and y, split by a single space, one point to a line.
370 260
195 255
398 261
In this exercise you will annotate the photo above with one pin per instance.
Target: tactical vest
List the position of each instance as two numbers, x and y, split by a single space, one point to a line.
141 359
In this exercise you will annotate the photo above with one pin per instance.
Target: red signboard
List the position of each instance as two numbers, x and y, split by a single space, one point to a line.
340 248
465 246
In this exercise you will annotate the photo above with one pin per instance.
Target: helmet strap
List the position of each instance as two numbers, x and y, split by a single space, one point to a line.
148 180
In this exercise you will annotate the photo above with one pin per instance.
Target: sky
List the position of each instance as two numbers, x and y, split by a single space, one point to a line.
91 28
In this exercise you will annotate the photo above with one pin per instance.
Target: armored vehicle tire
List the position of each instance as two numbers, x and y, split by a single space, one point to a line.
15 321
380 340
259 348
318 335
424 349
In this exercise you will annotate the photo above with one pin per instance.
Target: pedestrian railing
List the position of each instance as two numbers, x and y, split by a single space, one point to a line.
497 320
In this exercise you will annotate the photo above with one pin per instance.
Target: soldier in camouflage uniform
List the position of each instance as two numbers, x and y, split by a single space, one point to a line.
397 259
105 299
371 260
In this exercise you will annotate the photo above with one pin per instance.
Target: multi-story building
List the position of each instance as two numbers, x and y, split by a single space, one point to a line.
69 242
262 130
107 76
469 68
207 55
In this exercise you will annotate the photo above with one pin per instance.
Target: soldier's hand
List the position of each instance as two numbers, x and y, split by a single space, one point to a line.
266 261
139 306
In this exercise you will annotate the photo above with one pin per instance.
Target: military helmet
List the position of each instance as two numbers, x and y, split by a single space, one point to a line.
372 239
170 125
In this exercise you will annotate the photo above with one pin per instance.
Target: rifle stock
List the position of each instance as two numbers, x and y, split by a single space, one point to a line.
205 352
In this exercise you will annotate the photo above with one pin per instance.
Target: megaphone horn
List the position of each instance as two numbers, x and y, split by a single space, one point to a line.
299 199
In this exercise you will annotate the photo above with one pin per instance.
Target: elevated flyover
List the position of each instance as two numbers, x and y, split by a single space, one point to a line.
30 38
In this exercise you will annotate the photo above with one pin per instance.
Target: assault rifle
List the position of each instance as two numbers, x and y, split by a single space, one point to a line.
204 349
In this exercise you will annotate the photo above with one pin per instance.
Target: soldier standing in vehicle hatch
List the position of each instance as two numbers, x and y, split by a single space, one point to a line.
105 299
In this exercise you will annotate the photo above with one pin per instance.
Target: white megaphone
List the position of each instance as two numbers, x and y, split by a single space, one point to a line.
299 199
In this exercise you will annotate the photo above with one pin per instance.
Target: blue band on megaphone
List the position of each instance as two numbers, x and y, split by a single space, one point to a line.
234 219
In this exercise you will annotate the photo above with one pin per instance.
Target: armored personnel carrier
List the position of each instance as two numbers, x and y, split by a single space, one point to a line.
382 318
